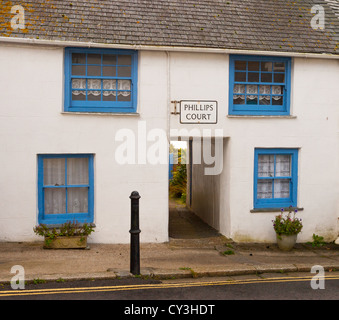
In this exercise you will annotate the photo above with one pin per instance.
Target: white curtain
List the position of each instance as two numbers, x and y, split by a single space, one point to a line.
54 175
55 200
266 169
106 85
252 91
282 169
266 165
54 172
264 189
77 200
281 188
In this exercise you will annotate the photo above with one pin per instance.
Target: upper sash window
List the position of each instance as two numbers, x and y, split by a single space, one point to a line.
100 80
259 85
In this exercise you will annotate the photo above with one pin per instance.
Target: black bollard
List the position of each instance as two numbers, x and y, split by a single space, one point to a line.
135 231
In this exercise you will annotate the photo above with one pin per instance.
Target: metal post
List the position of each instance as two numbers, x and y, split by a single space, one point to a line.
135 231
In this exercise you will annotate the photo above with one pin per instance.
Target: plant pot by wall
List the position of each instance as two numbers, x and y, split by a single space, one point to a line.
286 242
73 242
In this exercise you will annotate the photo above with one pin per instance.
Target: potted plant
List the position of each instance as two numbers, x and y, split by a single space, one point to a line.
287 228
70 235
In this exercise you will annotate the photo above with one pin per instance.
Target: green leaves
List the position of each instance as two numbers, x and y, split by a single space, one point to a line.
287 225
67 229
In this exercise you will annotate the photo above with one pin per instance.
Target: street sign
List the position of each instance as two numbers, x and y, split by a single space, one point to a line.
198 112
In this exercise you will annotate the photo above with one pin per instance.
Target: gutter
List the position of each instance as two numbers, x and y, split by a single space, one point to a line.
61 43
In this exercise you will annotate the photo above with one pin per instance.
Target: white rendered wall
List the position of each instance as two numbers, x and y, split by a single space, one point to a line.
32 122
314 132
312 128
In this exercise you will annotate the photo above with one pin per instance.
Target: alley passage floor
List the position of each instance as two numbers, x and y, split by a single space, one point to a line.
184 224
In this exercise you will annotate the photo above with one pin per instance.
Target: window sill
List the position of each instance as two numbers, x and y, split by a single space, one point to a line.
59 225
118 114
275 209
260 117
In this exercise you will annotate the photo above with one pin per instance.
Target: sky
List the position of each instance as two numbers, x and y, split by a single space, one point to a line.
179 144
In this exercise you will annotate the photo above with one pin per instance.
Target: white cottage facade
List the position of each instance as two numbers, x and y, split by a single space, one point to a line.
84 124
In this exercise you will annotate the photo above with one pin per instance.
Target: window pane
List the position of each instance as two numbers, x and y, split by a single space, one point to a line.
265 100
240 76
109 71
264 89
78 95
94 95
239 88
282 188
240 65
77 171
55 200
78 70
124 60
109 59
79 58
252 99
54 172
266 66
264 189
266 165
279 66
266 77
109 84
94 71
77 200
253 66
277 89
94 58
124 96
124 71
277 100
283 165
239 99
124 84
279 77
94 84
78 83
253 77
109 97
252 89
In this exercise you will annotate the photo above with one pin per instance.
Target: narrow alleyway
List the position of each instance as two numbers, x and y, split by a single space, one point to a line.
184 224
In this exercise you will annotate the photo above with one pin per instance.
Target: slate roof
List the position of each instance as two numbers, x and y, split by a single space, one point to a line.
265 25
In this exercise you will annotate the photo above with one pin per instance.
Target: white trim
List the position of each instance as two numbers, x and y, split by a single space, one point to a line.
59 43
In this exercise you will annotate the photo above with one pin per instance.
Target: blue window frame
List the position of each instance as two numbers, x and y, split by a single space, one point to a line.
259 85
101 80
65 188
275 178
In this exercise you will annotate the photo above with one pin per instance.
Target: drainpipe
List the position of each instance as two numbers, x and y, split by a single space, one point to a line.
168 96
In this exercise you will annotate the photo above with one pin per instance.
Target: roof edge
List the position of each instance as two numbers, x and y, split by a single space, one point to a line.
61 43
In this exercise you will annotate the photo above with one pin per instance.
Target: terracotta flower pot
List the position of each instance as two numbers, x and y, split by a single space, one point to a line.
286 242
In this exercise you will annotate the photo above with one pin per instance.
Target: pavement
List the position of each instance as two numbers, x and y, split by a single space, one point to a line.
194 250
